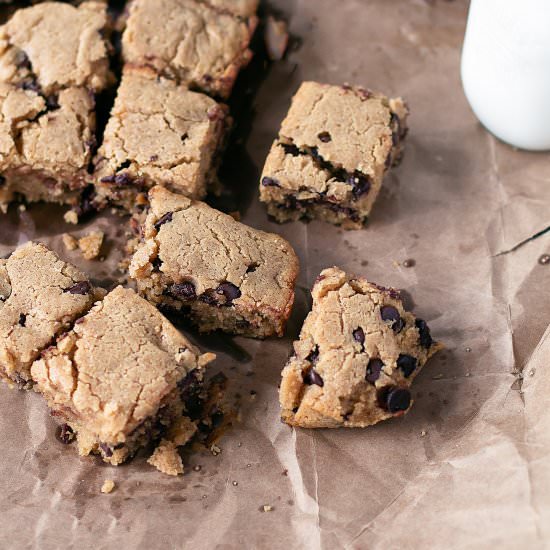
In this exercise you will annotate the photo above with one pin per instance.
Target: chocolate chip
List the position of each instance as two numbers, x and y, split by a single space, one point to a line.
22 319
153 158
184 136
394 399
424 336
390 313
230 291
86 205
290 149
360 183
107 451
164 219
65 434
374 368
313 355
325 137
156 263
544 259
359 335
251 268
407 364
52 103
83 287
313 377
119 179
185 290
270 182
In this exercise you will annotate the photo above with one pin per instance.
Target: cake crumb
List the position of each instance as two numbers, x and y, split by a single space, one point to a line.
22 208
71 217
108 486
276 38
69 242
423 433
215 450
166 459
90 244
267 508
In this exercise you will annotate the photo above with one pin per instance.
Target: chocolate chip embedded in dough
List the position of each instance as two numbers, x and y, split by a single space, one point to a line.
230 291
82 287
185 290
163 219
424 336
374 368
407 364
313 377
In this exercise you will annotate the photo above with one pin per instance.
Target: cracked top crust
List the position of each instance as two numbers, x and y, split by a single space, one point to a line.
207 248
40 136
40 295
115 368
349 127
161 132
357 355
188 41
54 45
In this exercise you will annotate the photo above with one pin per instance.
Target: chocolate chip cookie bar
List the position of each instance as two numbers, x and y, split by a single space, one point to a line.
40 297
45 144
332 152
204 45
53 46
161 133
356 358
120 378
218 272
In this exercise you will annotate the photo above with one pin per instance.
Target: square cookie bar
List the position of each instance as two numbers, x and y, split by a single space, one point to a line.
54 45
218 272
40 297
45 144
332 152
356 358
120 378
158 132
203 46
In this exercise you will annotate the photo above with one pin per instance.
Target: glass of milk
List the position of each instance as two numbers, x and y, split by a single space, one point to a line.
506 69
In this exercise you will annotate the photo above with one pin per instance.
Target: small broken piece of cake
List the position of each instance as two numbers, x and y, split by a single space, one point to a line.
332 152
204 46
219 273
45 146
356 358
40 297
158 133
53 46
121 377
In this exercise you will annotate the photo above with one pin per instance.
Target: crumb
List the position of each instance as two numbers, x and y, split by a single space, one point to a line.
423 433
22 208
71 217
276 38
90 244
285 472
468 374
235 483
197 468
468 350
114 211
166 459
532 372
437 377
69 242
108 486
215 450
266 508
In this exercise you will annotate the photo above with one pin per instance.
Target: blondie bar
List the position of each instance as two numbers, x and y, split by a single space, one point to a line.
40 297
204 46
356 358
158 132
332 152
121 378
216 271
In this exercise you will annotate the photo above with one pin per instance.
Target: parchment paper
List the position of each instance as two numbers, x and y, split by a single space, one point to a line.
480 475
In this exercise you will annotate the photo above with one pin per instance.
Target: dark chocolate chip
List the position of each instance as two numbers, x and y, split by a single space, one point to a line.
153 158
52 103
251 268
184 136
156 263
86 205
313 355
22 319
374 368
424 336
359 335
65 434
390 313
325 137
394 399
313 377
164 219
230 291
360 184
83 287
270 182
185 290
407 364
107 451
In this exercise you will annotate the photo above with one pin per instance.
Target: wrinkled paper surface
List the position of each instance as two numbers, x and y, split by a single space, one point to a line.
469 466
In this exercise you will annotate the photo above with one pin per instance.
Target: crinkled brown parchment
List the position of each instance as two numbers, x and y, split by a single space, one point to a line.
480 475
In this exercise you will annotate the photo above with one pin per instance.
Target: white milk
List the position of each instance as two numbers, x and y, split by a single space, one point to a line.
506 69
